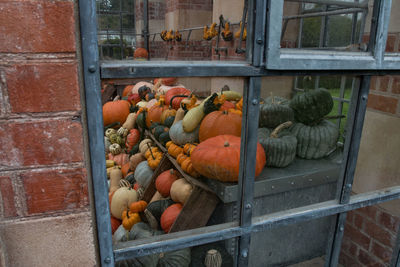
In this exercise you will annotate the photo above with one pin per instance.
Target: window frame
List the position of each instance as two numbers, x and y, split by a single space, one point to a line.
298 59
254 71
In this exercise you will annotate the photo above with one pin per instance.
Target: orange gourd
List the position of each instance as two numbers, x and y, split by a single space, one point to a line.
115 111
129 219
138 206
180 158
132 139
169 216
119 159
173 149
218 158
188 148
125 169
155 112
176 101
220 123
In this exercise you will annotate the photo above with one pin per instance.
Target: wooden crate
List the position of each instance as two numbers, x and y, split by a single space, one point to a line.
198 208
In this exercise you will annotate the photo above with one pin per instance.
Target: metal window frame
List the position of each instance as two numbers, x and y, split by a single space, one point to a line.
295 59
246 224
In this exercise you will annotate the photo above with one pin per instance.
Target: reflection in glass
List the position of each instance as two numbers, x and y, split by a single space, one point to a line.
194 30
341 27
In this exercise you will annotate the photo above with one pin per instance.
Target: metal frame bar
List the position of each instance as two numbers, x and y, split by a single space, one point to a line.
298 59
199 236
91 75
334 2
246 225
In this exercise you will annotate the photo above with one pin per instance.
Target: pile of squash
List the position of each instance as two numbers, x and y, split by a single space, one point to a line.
297 127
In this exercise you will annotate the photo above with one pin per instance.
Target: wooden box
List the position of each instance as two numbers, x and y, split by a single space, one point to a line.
198 208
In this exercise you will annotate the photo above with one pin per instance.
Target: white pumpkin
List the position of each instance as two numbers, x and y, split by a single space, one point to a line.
180 137
121 200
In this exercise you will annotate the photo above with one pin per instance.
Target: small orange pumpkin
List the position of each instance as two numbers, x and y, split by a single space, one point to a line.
138 206
164 181
155 112
169 216
140 53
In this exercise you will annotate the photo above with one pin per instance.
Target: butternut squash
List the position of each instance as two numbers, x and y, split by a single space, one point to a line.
115 177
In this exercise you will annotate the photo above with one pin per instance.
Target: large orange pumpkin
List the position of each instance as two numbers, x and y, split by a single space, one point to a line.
115 111
169 216
176 101
218 158
219 123
155 112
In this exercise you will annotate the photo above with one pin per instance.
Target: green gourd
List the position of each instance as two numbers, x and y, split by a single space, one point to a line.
311 106
159 130
169 121
164 138
141 120
314 142
279 145
180 137
139 231
175 258
274 111
155 209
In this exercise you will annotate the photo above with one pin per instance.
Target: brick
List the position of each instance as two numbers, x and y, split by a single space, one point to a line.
358 221
374 80
390 43
41 143
44 87
382 252
389 221
55 190
357 237
365 258
378 233
396 85
45 26
384 83
7 197
382 103
369 211
348 260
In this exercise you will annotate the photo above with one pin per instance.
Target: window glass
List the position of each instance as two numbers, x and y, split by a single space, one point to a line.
371 236
341 27
392 44
297 245
173 151
190 30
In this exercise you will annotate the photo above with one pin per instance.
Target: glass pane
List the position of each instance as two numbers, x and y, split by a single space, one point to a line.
167 143
176 30
316 25
392 44
298 245
379 154
371 236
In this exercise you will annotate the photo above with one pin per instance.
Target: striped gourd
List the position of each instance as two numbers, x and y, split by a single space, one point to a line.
275 111
279 145
314 142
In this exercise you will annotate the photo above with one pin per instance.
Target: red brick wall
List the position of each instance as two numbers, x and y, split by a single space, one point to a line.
42 169
369 237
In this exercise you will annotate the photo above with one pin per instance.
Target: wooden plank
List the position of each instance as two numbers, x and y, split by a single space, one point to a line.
107 93
190 179
164 165
197 210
